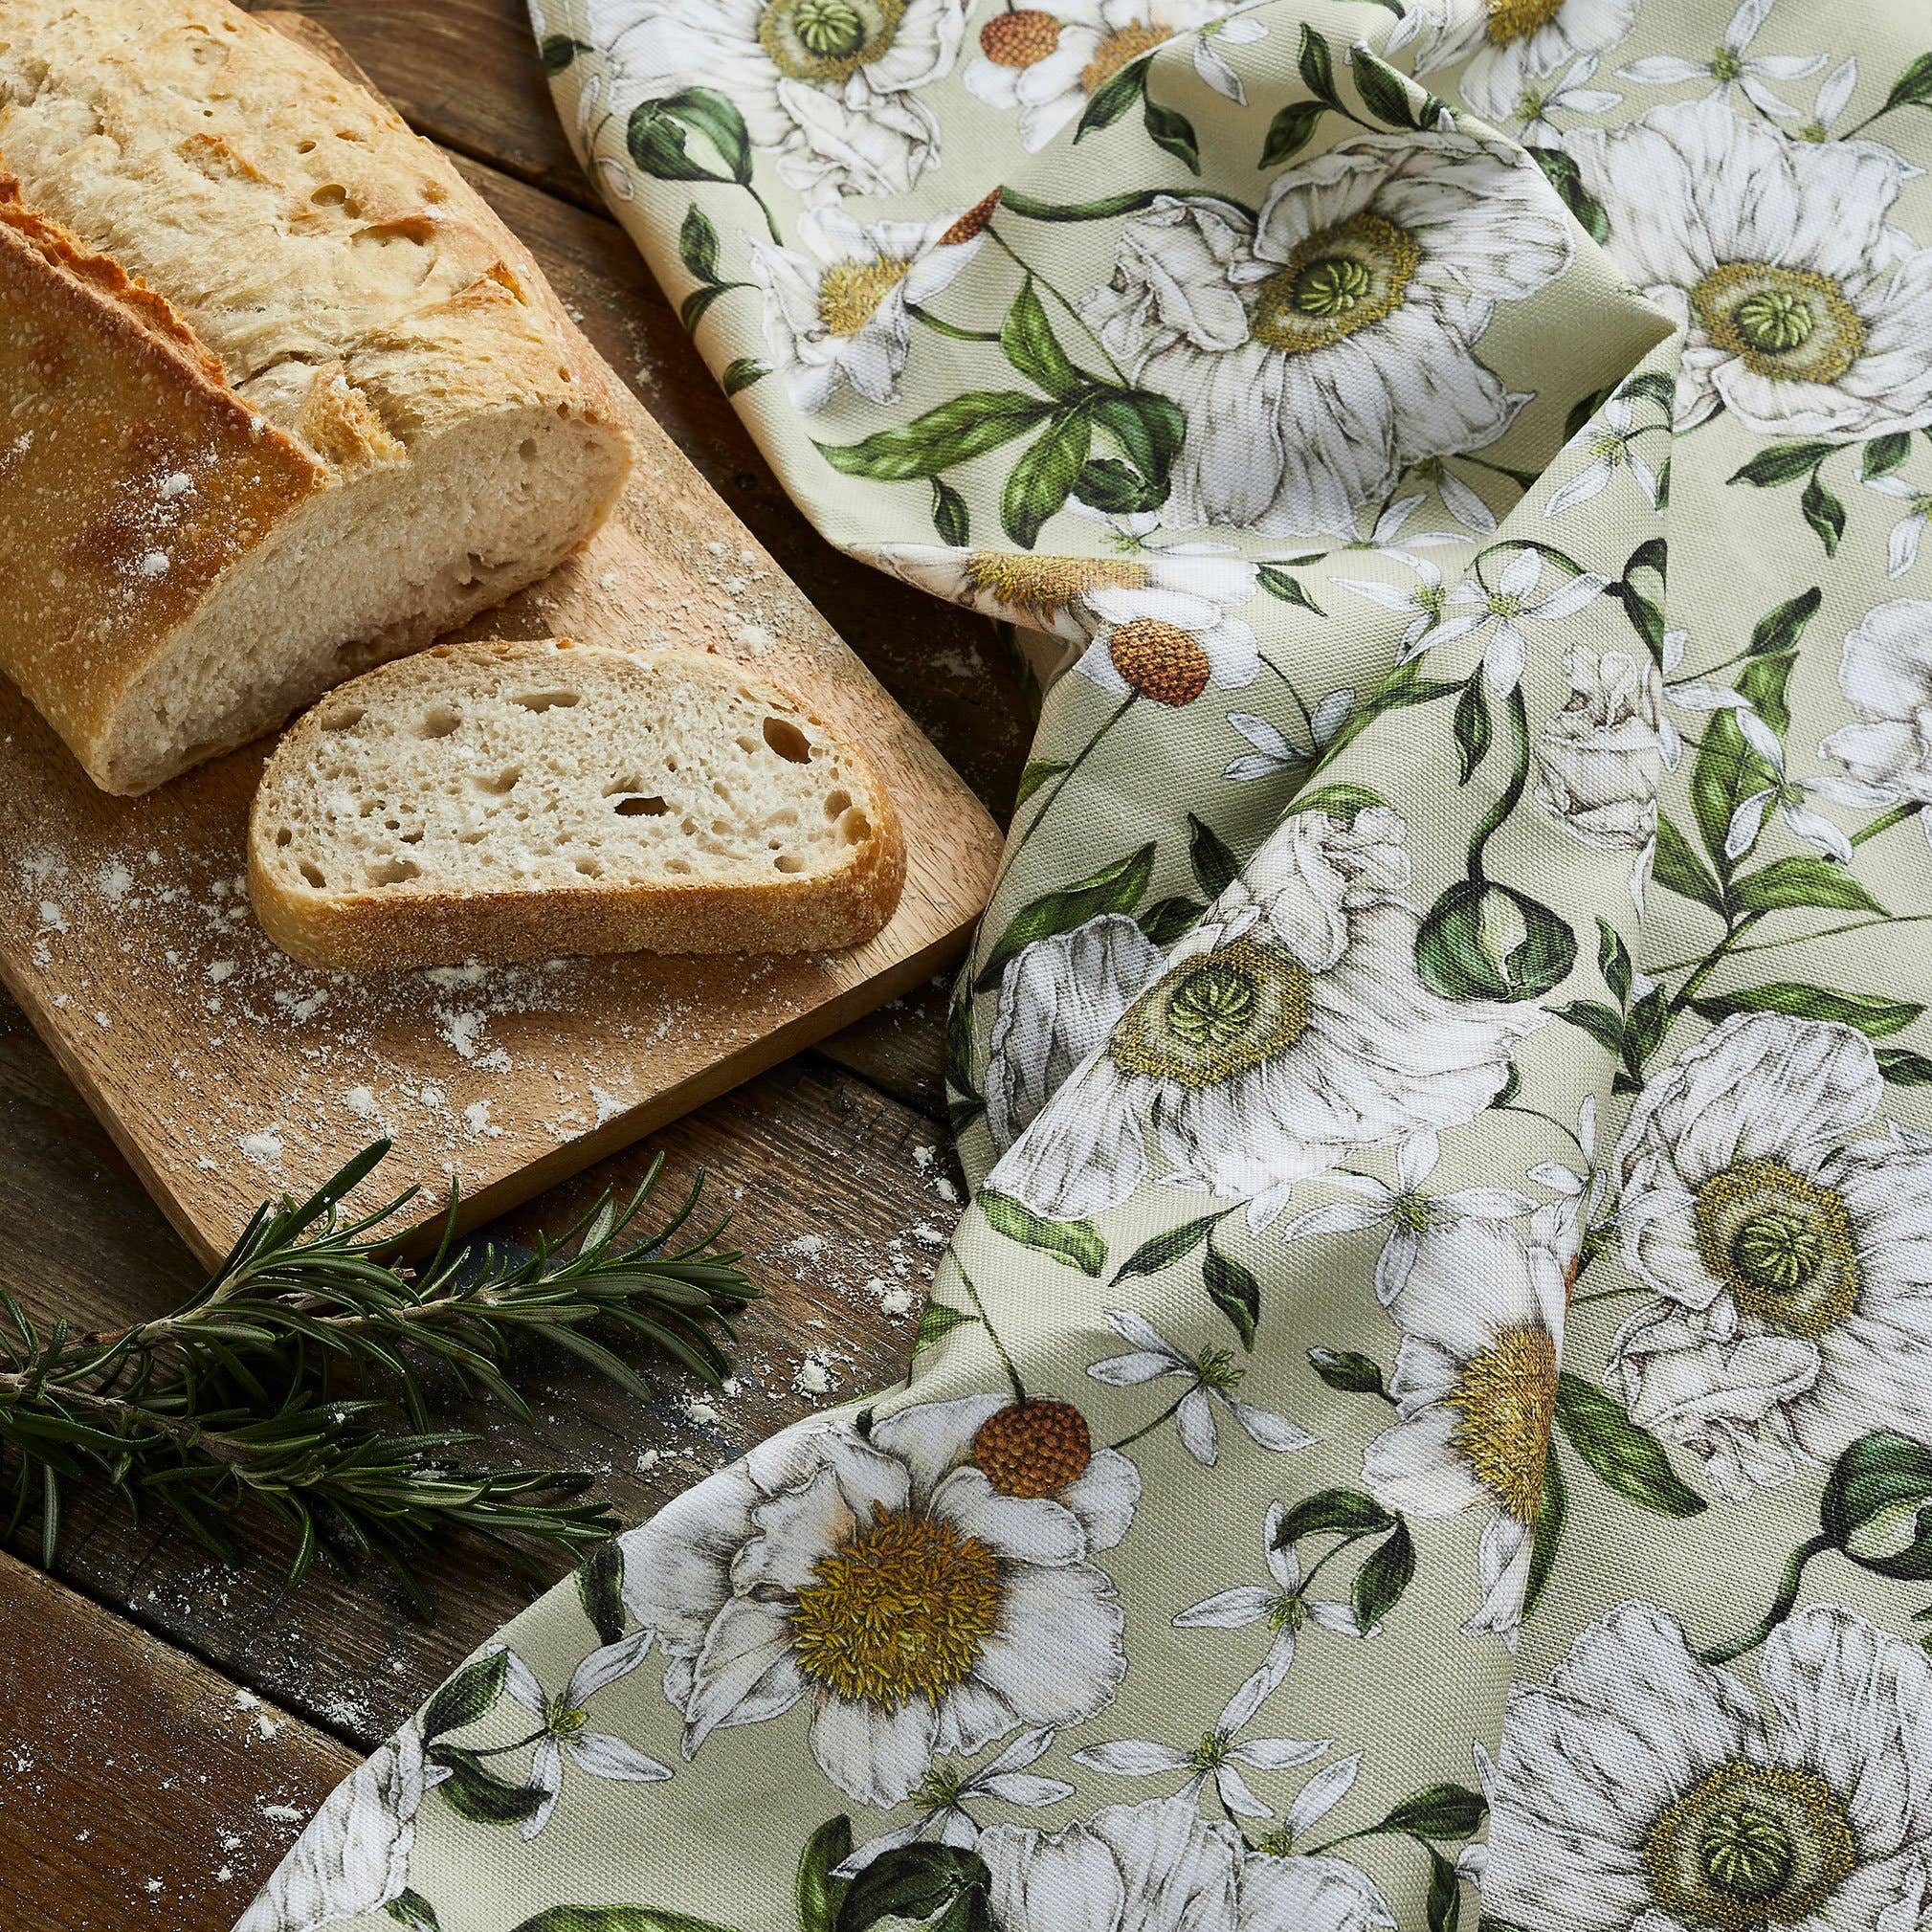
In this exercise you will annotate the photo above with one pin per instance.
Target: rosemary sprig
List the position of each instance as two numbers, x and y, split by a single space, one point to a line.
231 1399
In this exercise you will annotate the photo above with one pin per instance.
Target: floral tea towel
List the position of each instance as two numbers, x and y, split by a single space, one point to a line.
1428 1419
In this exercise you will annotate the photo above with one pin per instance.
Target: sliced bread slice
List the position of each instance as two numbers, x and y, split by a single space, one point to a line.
516 801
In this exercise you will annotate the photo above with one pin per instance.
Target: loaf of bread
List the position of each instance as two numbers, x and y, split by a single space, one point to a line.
494 801
280 398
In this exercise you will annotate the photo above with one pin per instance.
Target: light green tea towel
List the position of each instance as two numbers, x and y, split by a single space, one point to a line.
1435 1387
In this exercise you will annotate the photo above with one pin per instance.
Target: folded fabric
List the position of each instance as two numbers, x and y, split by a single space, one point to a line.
1433 1388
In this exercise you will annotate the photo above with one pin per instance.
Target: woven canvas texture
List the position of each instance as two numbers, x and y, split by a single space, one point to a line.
1426 1420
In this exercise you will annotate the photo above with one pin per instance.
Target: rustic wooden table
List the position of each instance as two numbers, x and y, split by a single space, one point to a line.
167 1723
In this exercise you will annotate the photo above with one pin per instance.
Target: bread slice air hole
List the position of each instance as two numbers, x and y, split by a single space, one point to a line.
836 805
786 740
503 782
439 721
546 701
284 838
393 871
641 808
346 718
314 874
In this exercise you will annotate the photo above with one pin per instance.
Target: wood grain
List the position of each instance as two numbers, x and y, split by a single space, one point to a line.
135 1789
842 1201
223 1069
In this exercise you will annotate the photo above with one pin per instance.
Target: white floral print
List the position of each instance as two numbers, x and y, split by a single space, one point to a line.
924 1589
1733 65
1644 1792
354 1857
1886 672
829 87
1371 274
1047 63
1475 1390
1160 1867
1288 1028
1800 303
1600 759
566 1733
836 313
1795 1299
1512 47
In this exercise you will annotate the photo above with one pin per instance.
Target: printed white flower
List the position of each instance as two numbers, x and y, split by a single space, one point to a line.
1613 448
1161 1867
354 1857
1570 94
1240 29
1784 794
829 86
1057 593
1059 999
1275 751
1887 675
837 313
1600 759
1732 66
925 1589
1794 1282
1282 1608
1902 549
1213 1376
1515 600
1369 275
1642 1789
1405 1210
1049 64
566 1731
944 1793
1420 602
1217 1757
1802 308
1167 646
1513 45
1475 1388
1834 95
1287 1029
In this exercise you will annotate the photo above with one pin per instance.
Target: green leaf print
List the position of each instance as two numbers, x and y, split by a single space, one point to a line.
600 1588
1291 130
1439 1812
658 132
474 1791
697 245
1802 880
1074 1244
1625 1458
1566 178
1042 480
1113 99
1380 1581
819 1894
951 518
1874 1017
1162 1251
940 1887
1169 129
1883 1482
1782 463
615 1918
466 1697
1118 887
1232 1289
955 433
1028 339
1679 869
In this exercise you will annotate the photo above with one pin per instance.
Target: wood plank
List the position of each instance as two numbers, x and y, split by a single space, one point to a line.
220 1066
463 72
839 1195
137 1787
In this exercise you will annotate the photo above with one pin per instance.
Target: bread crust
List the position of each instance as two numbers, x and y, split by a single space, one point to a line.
252 276
408 926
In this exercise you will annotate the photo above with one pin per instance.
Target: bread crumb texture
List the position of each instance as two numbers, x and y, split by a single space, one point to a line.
280 398
517 800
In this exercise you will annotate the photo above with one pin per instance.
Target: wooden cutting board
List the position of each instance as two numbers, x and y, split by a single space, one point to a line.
227 1072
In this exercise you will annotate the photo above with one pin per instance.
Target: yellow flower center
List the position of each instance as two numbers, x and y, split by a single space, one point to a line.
1021 38
902 1610
1789 324
1042 587
851 290
827 40
1213 1017
1160 661
1750 1846
1782 1244
1345 279
1518 19
1123 45
1506 1397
